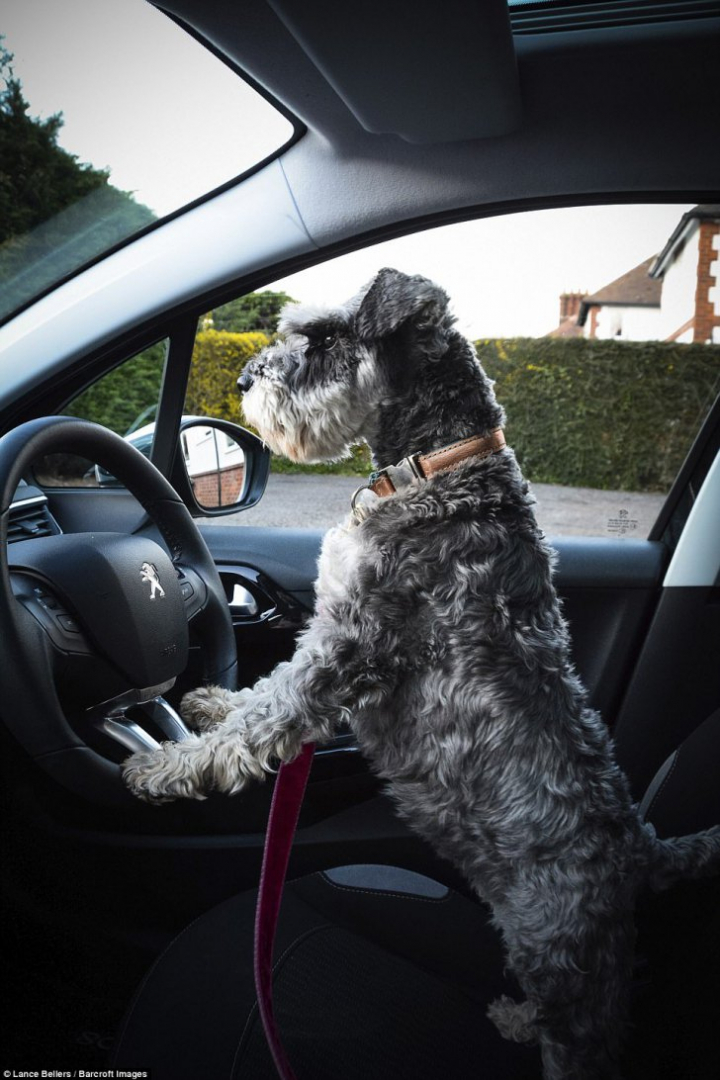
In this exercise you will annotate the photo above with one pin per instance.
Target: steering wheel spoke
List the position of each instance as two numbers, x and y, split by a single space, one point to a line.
140 719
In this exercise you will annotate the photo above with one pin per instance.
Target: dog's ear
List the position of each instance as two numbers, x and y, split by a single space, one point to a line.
394 300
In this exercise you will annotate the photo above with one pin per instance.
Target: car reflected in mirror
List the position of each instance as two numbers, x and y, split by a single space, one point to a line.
221 467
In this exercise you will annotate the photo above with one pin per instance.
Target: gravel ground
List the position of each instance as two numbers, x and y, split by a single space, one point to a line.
318 502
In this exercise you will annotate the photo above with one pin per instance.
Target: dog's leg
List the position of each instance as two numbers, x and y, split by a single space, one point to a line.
301 701
201 709
583 1047
576 970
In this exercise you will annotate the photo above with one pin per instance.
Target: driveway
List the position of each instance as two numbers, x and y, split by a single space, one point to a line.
318 502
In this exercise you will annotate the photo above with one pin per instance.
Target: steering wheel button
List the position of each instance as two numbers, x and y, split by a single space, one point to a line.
68 623
187 590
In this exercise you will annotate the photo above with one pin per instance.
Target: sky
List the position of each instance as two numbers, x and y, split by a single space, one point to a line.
171 121
505 275
138 95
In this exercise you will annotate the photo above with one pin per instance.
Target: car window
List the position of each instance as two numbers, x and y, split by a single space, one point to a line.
131 120
124 400
600 326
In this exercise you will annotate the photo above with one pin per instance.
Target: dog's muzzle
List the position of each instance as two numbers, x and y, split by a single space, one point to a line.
245 382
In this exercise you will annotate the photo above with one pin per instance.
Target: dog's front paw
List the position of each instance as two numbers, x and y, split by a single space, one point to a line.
167 773
207 706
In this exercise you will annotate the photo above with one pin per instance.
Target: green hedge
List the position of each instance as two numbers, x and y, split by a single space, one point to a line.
218 358
603 414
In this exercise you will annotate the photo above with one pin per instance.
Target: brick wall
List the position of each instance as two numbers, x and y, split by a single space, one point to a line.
706 318
230 484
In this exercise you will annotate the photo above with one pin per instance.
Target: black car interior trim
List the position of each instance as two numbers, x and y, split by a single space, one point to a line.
556 16
677 505
172 394
461 56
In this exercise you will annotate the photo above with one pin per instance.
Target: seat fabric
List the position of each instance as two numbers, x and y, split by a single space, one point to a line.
368 982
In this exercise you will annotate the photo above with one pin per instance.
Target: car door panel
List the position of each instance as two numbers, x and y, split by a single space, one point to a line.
289 557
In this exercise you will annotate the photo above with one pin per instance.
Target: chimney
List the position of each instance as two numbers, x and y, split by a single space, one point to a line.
570 305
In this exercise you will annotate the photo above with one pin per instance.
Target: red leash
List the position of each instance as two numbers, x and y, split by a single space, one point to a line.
284 812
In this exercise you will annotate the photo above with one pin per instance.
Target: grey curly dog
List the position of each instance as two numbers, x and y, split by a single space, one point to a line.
439 637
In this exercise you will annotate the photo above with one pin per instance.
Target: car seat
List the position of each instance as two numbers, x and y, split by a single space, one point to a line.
381 972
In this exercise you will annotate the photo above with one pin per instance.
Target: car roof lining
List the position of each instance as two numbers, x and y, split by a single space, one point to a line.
289 76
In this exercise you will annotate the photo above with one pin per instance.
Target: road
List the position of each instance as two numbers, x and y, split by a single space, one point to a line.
318 502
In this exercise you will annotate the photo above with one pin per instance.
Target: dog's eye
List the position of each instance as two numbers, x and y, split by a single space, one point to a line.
324 343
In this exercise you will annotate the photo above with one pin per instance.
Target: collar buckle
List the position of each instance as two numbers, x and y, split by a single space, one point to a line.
406 472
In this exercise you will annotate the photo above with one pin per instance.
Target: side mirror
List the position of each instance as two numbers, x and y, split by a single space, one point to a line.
220 467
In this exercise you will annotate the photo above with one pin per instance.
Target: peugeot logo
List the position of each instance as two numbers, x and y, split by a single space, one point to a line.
149 573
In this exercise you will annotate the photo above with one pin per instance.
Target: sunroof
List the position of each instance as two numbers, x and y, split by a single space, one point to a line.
112 117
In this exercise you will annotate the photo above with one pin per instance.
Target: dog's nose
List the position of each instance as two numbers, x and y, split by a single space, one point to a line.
244 382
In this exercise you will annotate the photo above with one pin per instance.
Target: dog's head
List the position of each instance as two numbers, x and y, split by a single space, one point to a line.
317 392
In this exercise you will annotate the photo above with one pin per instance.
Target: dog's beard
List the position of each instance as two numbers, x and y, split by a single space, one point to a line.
313 425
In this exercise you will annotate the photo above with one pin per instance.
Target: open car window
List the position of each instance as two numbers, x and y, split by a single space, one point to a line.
600 326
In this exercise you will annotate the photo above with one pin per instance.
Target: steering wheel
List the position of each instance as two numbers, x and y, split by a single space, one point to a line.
94 626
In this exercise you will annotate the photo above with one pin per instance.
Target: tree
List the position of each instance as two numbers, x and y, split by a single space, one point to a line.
38 178
255 313
126 397
56 213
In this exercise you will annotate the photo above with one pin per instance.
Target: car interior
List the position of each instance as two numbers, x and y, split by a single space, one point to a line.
128 927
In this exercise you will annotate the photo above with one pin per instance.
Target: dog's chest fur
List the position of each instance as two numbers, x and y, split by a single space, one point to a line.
338 565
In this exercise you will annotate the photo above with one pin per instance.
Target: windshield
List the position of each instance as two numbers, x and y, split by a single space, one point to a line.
111 118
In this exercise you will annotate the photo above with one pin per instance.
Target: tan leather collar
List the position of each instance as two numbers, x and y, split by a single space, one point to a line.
420 467
423 466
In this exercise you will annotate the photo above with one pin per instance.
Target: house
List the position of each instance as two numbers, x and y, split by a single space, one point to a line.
627 308
689 269
673 296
